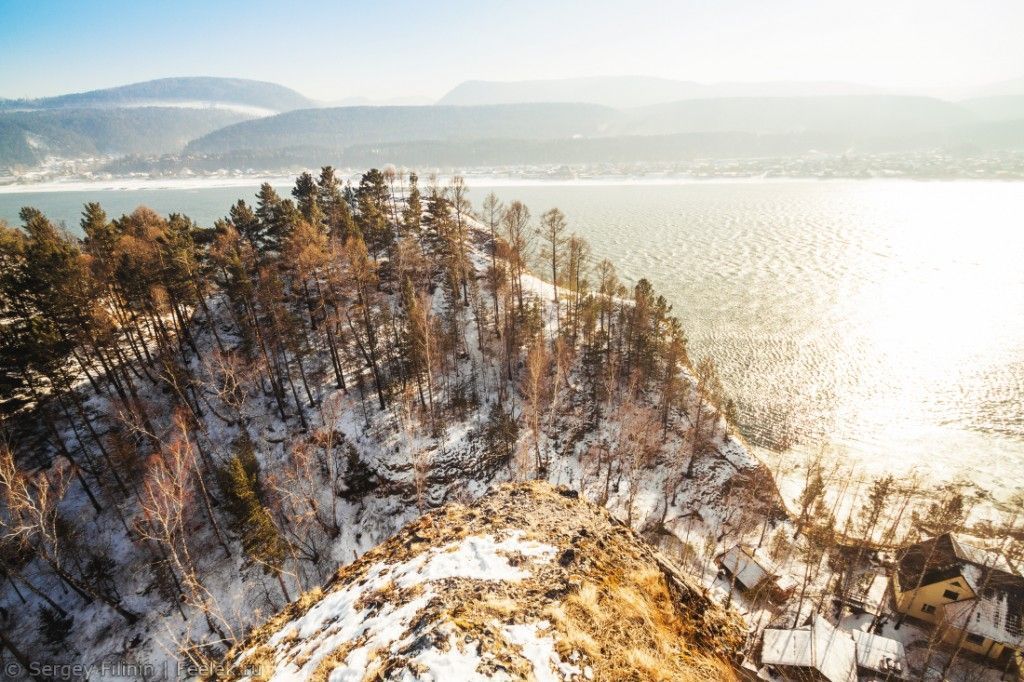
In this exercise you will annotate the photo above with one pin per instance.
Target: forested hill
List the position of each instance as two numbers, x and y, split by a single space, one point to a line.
28 137
151 118
199 90
201 424
858 117
339 127
562 132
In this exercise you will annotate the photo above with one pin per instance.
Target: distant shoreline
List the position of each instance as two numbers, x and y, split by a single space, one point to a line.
149 184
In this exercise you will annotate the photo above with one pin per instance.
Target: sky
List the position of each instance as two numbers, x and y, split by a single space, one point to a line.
390 49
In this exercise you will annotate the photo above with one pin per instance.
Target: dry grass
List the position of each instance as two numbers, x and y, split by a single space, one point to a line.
628 630
611 604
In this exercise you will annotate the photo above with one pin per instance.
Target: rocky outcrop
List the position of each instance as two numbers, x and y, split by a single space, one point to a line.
529 583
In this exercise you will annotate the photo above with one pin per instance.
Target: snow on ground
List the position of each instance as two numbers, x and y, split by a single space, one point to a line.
457 662
480 558
539 649
361 612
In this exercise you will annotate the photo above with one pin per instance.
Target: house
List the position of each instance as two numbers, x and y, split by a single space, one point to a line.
820 652
753 573
972 594
817 652
880 658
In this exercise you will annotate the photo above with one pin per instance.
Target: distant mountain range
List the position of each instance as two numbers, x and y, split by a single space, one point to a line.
154 117
844 122
637 91
339 127
634 91
235 123
29 137
198 92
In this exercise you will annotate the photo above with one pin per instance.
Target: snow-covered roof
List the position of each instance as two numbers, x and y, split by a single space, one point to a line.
748 570
787 647
995 615
879 654
787 583
974 575
979 556
818 645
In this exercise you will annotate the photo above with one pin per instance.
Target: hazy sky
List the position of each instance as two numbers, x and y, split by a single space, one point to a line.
386 49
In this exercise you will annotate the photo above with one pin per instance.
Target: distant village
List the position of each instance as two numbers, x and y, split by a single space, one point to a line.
935 607
935 165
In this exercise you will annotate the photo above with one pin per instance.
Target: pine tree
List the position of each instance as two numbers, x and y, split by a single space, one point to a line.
412 214
271 213
501 432
262 542
307 199
337 215
245 220
373 199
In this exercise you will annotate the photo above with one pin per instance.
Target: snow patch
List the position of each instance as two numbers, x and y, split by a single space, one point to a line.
479 558
302 644
453 664
539 650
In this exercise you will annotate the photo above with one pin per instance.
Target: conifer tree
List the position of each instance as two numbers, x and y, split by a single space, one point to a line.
337 215
262 542
516 222
249 225
362 278
270 212
307 199
492 212
412 214
373 199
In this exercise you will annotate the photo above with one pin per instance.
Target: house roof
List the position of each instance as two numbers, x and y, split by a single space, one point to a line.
879 654
947 556
980 556
996 615
818 645
749 571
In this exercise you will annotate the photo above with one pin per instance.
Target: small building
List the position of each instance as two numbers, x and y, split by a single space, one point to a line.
753 573
817 652
972 594
880 658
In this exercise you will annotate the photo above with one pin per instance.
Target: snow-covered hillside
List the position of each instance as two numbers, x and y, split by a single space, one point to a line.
170 567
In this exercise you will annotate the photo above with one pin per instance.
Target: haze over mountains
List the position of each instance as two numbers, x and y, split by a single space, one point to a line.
154 117
214 123
634 91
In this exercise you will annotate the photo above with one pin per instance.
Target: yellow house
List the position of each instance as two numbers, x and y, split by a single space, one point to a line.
972 595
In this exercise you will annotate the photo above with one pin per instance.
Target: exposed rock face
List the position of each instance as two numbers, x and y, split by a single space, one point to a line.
529 583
